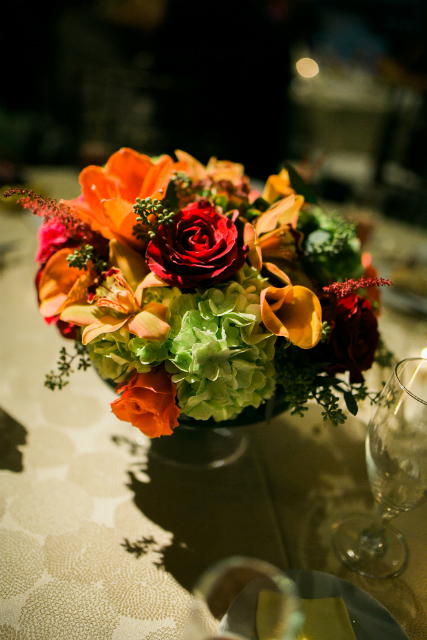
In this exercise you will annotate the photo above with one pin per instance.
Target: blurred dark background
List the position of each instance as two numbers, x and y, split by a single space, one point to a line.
82 78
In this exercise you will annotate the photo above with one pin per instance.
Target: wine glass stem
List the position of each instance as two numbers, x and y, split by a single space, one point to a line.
373 539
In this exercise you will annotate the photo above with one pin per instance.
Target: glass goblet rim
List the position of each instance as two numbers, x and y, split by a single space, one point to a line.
400 383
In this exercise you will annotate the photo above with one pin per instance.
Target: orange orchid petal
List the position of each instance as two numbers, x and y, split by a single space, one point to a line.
129 169
292 312
254 254
150 280
150 323
194 168
107 324
81 314
131 264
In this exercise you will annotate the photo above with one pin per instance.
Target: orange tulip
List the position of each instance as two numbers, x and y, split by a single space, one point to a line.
109 193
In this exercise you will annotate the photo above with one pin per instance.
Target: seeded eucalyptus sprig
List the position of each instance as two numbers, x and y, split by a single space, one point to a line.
151 213
81 257
57 380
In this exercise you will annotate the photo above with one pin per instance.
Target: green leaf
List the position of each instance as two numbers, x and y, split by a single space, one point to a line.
260 204
300 186
351 403
171 196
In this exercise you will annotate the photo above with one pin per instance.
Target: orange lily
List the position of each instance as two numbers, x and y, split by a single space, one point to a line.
278 186
293 312
61 285
121 295
109 193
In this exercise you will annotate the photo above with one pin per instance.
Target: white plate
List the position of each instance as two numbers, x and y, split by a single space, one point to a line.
370 620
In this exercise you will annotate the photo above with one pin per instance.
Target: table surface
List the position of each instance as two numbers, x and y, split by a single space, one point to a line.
98 539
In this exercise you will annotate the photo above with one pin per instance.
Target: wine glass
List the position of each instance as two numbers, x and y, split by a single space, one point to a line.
396 459
242 599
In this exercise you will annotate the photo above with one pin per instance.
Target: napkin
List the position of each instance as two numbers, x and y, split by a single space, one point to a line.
325 618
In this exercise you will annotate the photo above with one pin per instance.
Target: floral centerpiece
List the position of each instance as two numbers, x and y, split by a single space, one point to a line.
196 294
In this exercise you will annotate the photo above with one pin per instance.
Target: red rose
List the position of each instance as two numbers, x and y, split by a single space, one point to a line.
353 339
199 245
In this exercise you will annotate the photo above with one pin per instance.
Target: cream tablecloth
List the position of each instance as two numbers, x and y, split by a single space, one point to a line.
98 540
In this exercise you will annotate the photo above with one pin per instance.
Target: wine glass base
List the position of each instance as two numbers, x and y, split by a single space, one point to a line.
370 547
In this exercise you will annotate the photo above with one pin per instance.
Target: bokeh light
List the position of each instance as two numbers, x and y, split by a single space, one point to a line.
307 67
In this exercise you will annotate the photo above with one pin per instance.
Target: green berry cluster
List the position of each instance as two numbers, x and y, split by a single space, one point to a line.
83 255
151 213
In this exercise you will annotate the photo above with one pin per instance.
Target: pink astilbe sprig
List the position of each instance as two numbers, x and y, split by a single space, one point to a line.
49 209
344 289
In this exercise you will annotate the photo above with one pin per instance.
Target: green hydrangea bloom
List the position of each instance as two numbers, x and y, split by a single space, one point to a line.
220 355
112 357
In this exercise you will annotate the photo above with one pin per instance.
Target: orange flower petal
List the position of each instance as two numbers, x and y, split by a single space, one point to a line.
274 269
107 324
81 314
131 264
95 187
277 186
157 179
292 312
129 169
194 168
150 323
51 306
254 254
150 280
56 282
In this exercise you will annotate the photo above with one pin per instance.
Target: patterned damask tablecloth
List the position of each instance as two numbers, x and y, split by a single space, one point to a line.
98 540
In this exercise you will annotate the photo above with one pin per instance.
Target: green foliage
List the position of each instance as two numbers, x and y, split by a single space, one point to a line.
331 249
81 256
301 380
151 213
57 380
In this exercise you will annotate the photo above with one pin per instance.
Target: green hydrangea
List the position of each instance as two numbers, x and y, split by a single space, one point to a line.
111 355
220 355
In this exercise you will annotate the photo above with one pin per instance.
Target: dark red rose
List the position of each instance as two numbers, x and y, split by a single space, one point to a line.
353 339
200 245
